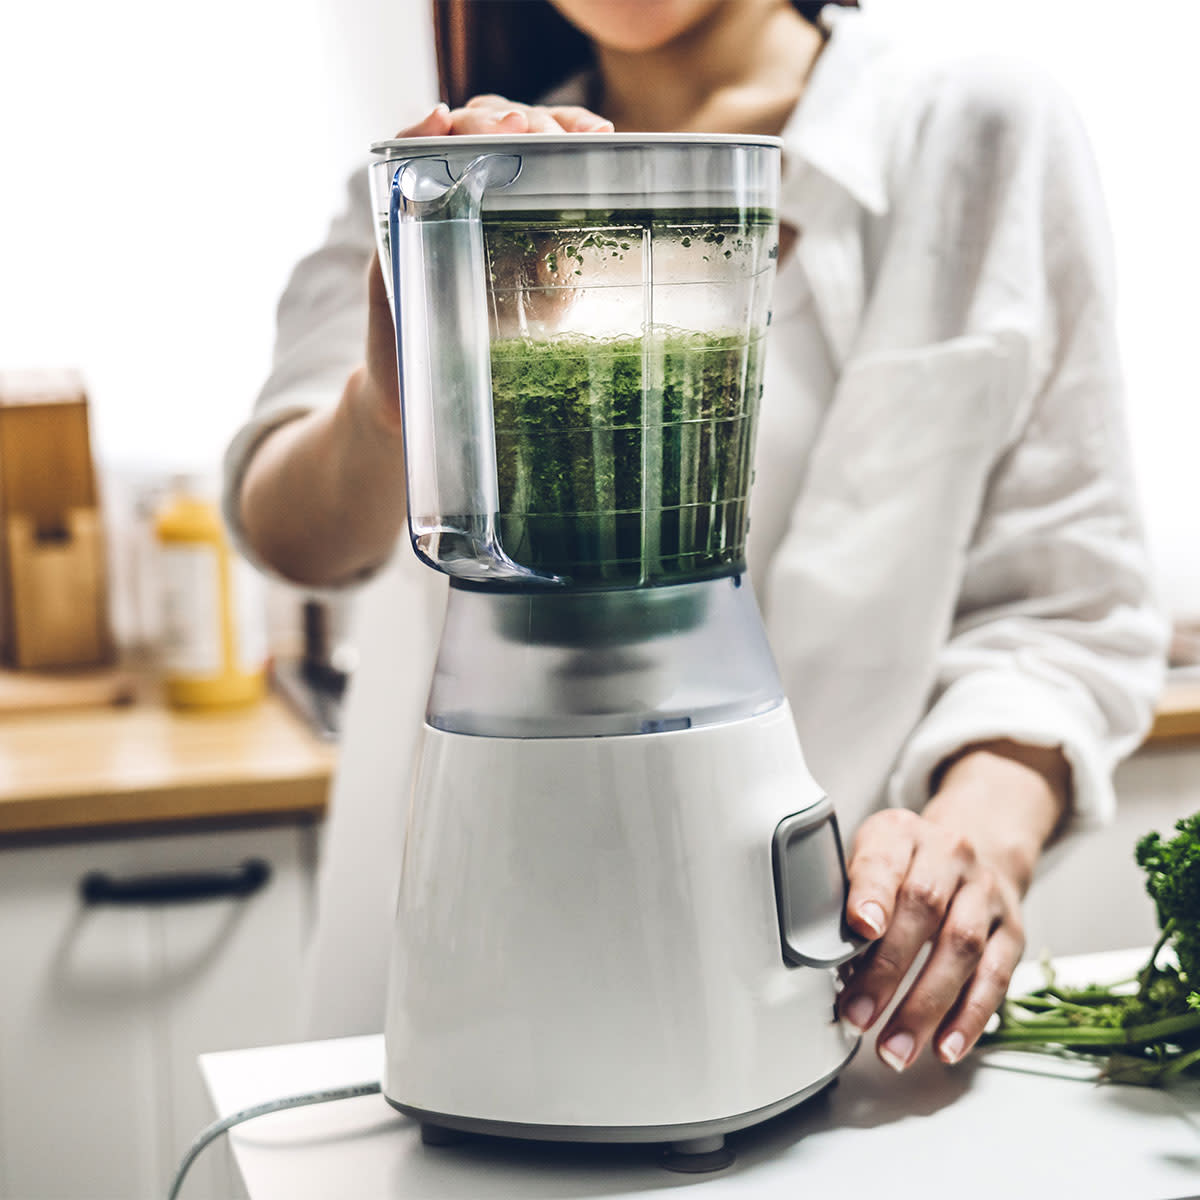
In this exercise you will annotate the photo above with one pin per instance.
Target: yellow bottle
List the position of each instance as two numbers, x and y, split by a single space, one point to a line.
214 645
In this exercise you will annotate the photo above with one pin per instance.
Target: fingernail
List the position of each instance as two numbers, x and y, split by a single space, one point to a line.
871 914
600 125
897 1050
859 1012
507 117
952 1046
442 108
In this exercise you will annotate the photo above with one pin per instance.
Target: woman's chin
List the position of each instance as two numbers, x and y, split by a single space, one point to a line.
635 26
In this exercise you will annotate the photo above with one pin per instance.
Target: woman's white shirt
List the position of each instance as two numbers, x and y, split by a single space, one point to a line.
944 535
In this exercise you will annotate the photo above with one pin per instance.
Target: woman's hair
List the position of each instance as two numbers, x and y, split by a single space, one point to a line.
519 48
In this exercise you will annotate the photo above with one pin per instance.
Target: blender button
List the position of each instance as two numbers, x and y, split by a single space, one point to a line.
666 724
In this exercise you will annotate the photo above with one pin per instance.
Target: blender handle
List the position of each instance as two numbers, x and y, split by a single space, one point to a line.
811 889
440 305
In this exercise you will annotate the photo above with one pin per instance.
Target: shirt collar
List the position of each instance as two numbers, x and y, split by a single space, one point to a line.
838 127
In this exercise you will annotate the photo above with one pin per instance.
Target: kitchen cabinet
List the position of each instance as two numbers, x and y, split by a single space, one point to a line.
104 1006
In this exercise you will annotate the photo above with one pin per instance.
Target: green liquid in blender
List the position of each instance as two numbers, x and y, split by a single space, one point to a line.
626 461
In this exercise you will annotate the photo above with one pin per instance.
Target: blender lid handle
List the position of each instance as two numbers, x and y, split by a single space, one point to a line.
443 352
426 184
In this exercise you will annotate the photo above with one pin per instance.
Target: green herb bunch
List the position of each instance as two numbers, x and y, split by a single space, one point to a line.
1147 1028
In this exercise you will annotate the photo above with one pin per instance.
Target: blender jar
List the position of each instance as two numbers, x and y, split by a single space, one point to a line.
580 323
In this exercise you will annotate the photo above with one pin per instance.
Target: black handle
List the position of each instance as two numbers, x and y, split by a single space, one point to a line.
99 888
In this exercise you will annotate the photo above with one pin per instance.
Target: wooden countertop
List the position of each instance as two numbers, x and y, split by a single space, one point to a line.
89 768
1177 720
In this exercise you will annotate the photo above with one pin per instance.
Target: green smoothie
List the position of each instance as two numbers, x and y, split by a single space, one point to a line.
626 461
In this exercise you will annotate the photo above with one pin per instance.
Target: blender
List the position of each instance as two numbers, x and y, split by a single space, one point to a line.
622 894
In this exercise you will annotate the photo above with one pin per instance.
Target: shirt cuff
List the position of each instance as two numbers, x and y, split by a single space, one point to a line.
990 705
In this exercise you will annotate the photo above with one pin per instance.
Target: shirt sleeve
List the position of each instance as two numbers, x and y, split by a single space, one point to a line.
1057 639
320 338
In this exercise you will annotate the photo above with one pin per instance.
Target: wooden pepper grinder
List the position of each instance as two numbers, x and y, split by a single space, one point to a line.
53 578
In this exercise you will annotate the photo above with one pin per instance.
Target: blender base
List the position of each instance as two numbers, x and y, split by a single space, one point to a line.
589 945
440 1135
694 1148
699 1157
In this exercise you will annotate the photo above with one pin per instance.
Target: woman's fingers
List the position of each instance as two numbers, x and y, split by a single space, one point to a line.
542 121
491 113
509 118
922 901
883 850
954 959
436 124
494 114
983 994
580 120
932 889
914 881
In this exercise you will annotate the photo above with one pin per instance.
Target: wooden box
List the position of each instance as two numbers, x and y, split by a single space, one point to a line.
53 585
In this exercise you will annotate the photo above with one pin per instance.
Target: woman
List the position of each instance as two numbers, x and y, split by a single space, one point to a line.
944 539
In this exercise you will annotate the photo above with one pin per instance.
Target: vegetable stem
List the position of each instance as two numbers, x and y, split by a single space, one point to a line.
1181 1064
1097 1035
1146 975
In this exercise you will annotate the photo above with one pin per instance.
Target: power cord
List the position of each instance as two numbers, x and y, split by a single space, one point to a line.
217 1128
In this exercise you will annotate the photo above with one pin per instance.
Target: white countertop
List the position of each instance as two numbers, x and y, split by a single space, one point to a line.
981 1130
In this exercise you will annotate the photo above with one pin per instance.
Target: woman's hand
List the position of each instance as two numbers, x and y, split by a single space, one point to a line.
323 497
952 877
373 392
495 114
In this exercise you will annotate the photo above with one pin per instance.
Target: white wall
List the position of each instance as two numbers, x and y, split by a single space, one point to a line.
164 166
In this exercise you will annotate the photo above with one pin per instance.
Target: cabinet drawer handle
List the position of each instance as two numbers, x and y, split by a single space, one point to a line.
97 887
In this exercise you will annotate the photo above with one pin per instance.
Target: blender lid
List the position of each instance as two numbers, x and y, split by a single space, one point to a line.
592 141
587 173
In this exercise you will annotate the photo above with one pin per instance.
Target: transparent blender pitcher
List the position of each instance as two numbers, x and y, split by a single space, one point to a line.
580 322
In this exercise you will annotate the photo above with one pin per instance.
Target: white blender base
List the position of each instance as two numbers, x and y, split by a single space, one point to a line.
588 946
692 1148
